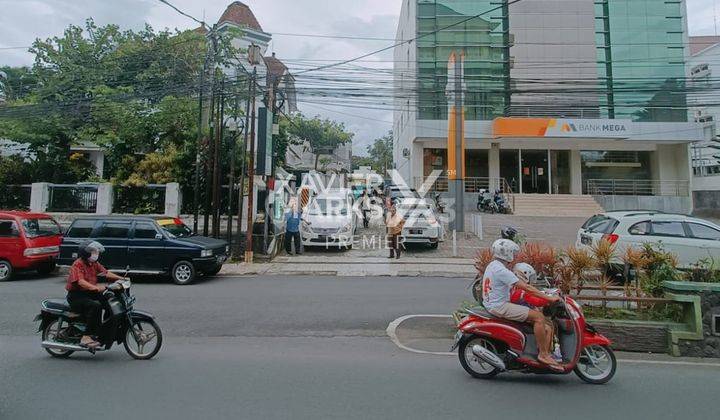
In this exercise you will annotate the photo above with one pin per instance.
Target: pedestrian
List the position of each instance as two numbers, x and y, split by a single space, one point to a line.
394 223
366 208
293 218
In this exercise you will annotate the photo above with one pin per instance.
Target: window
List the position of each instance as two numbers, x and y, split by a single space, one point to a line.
600 224
8 229
114 230
704 232
35 228
145 230
642 228
81 229
668 229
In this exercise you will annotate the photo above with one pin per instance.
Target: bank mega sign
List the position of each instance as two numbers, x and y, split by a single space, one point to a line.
562 127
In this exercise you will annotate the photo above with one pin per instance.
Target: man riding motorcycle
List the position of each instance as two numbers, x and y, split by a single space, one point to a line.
498 280
84 294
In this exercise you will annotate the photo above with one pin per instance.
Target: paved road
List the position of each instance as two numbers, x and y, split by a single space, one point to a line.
303 348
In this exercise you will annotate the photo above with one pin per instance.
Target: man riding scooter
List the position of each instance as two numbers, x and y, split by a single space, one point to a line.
498 280
84 295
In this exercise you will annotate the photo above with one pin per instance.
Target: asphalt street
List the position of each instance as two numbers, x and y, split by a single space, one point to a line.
305 348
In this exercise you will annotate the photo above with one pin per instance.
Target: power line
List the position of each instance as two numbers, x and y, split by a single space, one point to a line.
182 13
411 39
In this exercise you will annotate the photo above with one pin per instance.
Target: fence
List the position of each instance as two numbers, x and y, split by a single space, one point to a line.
648 187
472 185
148 199
72 198
15 197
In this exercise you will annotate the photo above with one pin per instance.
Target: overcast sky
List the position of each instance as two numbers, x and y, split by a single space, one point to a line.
22 21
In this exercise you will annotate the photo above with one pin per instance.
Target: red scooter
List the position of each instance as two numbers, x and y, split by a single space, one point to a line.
488 345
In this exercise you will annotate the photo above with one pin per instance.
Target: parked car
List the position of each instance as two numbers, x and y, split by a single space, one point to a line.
147 245
330 219
28 241
422 225
690 238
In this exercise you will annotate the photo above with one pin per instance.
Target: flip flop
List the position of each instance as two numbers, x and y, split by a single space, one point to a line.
91 345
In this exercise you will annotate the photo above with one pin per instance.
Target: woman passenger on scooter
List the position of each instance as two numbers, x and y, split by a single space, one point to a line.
84 294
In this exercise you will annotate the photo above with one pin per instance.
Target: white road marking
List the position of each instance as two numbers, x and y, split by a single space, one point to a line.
392 333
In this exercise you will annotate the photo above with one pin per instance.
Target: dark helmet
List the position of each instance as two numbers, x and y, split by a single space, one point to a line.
86 248
508 232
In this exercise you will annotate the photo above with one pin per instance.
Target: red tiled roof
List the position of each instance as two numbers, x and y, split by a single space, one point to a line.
699 43
240 14
275 67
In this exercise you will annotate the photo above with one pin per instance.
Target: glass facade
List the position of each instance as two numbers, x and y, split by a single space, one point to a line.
483 40
641 59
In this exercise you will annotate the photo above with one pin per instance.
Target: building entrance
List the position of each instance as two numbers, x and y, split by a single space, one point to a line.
535 172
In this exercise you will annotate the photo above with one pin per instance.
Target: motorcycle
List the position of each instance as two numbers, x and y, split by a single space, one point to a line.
488 345
62 329
501 204
486 202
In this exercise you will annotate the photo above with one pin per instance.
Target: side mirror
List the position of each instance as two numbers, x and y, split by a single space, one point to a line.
158 236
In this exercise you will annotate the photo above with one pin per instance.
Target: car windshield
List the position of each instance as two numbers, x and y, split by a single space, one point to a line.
175 228
330 206
35 228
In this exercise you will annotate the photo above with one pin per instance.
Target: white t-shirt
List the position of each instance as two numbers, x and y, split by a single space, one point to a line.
497 282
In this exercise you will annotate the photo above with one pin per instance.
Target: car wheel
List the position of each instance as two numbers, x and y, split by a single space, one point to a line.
434 245
46 268
6 270
183 273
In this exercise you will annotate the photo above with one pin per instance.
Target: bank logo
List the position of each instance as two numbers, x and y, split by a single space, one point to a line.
568 128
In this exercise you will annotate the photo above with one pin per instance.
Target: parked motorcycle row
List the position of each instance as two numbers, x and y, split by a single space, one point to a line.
493 202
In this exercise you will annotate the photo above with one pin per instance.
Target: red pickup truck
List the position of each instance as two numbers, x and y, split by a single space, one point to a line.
28 241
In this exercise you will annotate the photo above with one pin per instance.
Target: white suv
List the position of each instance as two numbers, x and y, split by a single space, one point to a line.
690 238
421 222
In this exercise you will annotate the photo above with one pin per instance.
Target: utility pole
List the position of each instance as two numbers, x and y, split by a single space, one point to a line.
209 162
233 158
208 182
219 132
201 105
251 166
271 106
456 139
251 94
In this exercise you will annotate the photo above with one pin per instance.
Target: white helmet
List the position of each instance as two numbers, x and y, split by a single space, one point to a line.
527 270
505 249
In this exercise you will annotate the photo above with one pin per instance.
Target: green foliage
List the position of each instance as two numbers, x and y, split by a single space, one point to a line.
662 267
14 170
706 270
129 92
324 135
381 153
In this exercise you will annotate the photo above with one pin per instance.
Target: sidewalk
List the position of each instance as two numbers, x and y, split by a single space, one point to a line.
345 266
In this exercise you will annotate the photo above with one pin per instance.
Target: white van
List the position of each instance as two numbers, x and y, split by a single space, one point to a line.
330 219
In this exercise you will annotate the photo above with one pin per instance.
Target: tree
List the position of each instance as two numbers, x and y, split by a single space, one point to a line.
324 135
381 153
130 92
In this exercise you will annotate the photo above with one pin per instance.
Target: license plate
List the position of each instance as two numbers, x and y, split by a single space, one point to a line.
458 337
585 240
416 231
221 258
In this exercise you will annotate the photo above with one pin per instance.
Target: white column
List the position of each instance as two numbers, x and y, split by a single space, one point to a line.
39 197
173 199
105 199
575 172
